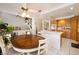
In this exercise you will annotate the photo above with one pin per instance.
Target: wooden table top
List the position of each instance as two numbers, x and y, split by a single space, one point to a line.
26 41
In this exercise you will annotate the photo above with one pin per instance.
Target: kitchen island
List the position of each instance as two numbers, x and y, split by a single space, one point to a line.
53 38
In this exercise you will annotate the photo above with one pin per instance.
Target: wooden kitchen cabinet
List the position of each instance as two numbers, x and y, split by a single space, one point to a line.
65 25
69 27
74 28
78 30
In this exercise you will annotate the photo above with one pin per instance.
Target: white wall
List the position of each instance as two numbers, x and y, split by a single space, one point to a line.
12 19
38 20
18 21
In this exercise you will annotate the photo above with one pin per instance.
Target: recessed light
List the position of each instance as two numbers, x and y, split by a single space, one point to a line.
71 8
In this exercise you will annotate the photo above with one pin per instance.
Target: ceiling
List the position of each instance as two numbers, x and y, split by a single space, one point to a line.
32 6
64 11
48 9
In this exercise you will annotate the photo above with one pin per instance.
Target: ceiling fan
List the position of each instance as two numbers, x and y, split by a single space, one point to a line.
26 9
25 12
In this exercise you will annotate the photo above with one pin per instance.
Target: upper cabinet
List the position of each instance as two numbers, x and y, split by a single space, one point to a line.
78 29
75 28
62 25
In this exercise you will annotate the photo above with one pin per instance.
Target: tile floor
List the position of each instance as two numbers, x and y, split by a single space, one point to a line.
66 49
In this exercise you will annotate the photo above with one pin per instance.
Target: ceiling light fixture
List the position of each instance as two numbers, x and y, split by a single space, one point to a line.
71 8
25 13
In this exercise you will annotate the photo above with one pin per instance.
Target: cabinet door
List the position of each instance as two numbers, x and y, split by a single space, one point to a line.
74 28
67 28
78 30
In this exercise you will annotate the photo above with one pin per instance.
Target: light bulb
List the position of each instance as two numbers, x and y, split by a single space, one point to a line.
71 8
28 16
23 14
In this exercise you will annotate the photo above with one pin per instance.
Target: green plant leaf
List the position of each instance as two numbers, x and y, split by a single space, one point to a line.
1 21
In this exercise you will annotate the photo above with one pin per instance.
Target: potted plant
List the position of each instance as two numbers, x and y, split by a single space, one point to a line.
9 29
7 35
5 31
1 21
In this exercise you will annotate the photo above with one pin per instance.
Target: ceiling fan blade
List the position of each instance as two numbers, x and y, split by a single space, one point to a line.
26 9
19 16
30 10
22 8
26 18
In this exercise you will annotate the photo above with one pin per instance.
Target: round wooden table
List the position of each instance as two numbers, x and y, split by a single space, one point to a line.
26 41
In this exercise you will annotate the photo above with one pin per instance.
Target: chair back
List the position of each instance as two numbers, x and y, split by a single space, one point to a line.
42 47
2 46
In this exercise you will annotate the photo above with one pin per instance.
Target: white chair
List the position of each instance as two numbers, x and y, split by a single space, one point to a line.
8 36
20 32
41 49
28 33
2 46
